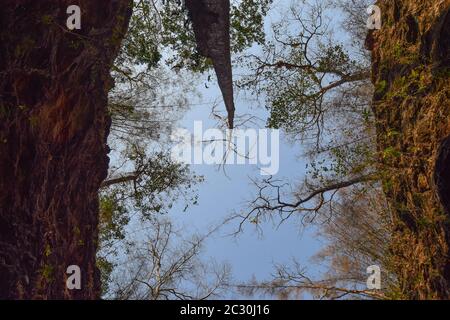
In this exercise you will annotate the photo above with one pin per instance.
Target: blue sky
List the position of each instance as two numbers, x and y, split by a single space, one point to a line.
251 253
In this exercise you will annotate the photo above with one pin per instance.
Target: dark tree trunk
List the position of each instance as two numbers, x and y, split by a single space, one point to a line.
411 73
53 152
211 24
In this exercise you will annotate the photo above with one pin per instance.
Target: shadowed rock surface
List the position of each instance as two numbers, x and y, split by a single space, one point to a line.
211 23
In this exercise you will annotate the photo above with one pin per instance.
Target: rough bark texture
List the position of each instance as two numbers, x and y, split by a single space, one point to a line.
53 130
211 23
411 74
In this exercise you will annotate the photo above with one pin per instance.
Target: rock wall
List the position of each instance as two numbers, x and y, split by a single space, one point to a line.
411 74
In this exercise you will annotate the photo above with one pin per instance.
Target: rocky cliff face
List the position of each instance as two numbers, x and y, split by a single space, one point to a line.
53 153
411 60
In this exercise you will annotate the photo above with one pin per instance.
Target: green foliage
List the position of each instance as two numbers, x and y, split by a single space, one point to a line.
155 184
158 183
334 58
141 45
297 70
157 28
113 217
143 112
247 23
106 268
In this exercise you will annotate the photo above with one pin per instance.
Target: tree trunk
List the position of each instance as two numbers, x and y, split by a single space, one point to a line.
53 152
411 73
211 24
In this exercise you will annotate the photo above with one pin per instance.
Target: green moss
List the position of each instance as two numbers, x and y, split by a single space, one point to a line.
47 272
47 19
414 75
388 185
380 88
390 153
393 133
424 222
398 51
48 250
403 55
406 86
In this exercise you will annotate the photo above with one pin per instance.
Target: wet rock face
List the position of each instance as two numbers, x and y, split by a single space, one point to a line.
411 71
53 153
